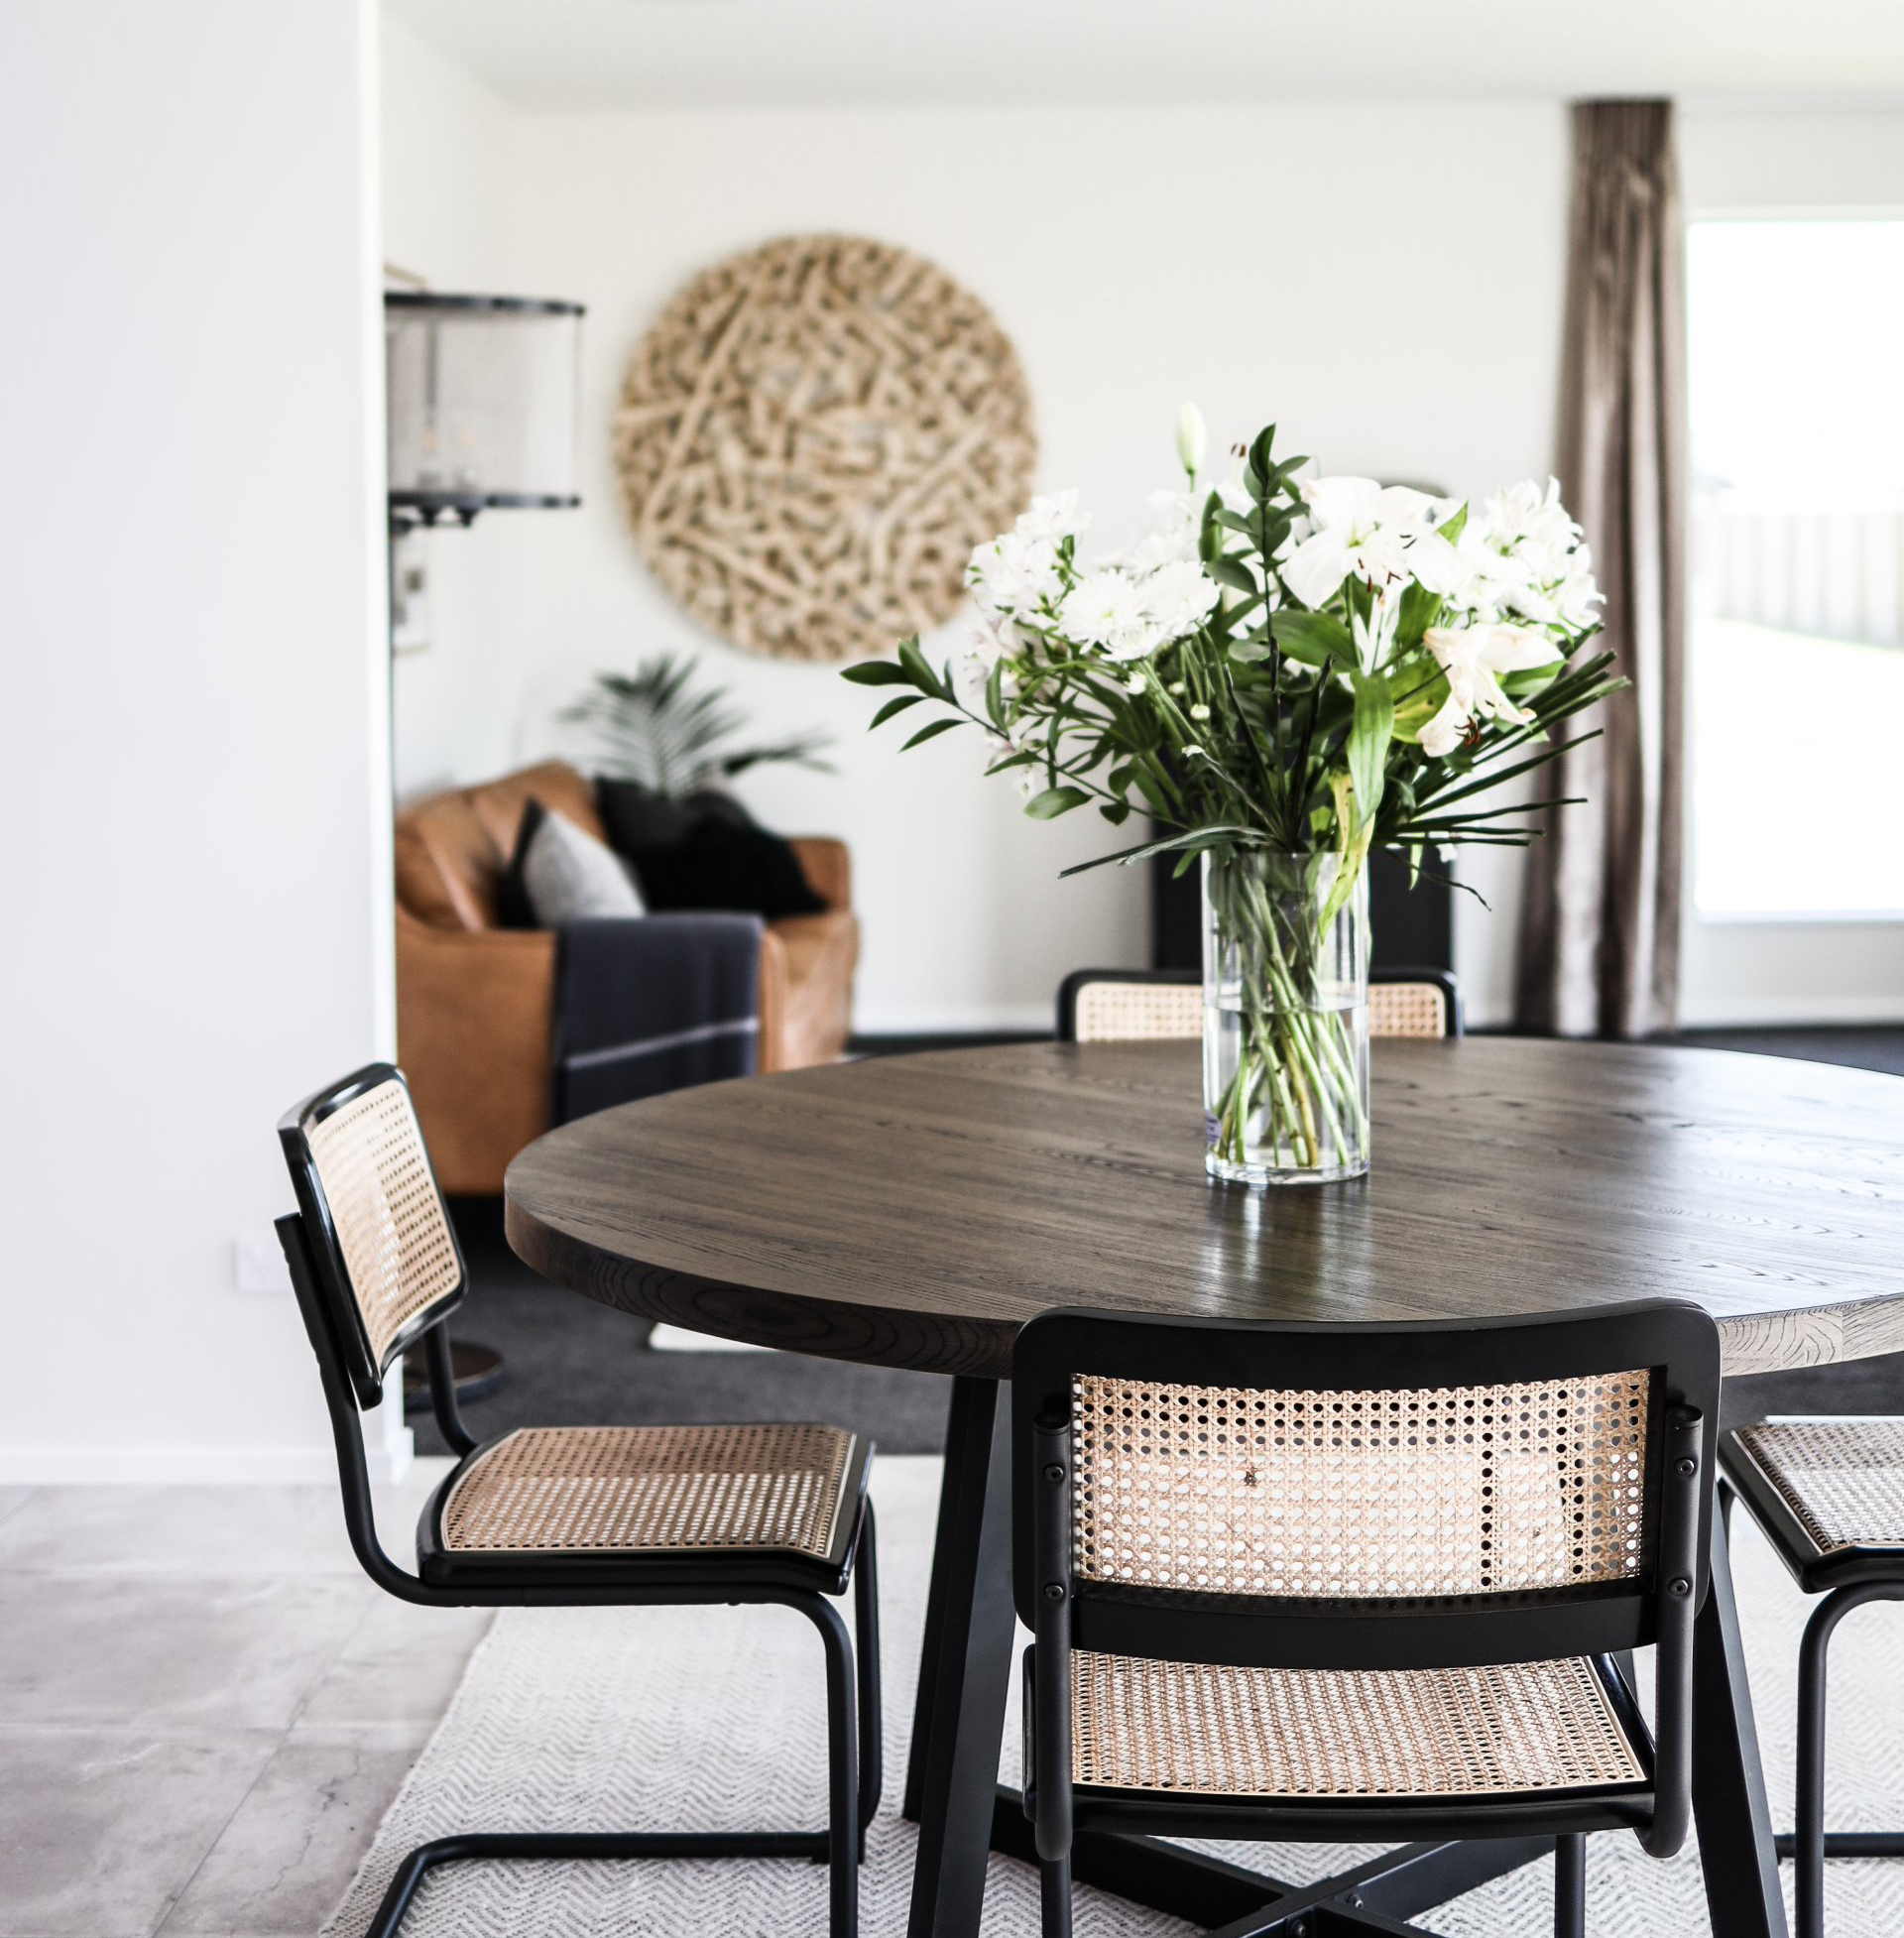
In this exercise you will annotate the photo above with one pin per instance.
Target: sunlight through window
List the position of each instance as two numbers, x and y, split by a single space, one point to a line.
1796 677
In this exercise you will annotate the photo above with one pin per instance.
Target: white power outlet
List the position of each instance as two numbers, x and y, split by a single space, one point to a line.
258 1263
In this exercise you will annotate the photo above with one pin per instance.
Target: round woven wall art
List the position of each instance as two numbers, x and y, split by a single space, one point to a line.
813 437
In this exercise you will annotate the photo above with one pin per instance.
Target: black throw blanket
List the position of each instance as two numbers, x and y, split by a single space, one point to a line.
654 1002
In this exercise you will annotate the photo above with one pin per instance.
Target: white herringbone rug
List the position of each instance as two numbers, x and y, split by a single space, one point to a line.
651 1719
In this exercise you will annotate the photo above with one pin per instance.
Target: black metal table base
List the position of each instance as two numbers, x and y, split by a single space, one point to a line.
963 1813
1379 1895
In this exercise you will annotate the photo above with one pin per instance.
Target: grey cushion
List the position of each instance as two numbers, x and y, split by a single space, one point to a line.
569 876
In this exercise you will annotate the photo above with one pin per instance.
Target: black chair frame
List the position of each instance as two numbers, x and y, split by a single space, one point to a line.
1603 1623
1846 1579
353 1380
1080 979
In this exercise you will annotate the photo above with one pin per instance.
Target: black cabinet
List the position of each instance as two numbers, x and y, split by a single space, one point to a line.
1409 929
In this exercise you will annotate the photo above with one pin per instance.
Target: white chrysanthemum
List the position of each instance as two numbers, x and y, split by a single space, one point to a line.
1180 597
1104 607
1053 518
1015 573
1526 560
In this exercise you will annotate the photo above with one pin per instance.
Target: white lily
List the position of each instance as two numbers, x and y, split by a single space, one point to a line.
1474 657
1372 532
1374 636
1193 439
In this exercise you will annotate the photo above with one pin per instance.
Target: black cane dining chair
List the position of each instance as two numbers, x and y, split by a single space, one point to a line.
1102 1006
1829 1495
1360 1584
572 1515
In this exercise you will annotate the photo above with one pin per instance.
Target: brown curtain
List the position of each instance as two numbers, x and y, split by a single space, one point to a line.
1600 927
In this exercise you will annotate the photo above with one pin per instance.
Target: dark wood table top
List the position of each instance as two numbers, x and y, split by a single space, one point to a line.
915 1210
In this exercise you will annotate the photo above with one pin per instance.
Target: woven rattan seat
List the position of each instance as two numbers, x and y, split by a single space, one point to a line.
1408 1010
1116 1010
625 1490
1211 1730
1842 1478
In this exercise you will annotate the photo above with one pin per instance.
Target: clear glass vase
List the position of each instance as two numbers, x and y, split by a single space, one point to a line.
1285 1018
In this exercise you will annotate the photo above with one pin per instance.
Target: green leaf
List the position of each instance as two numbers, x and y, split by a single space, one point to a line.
896 707
1055 802
1369 732
1420 609
931 733
1231 572
919 669
1455 526
994 695
1313 638
876 672
1261 458
1194 842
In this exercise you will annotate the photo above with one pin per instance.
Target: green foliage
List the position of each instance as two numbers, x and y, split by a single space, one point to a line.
654 728
1269 726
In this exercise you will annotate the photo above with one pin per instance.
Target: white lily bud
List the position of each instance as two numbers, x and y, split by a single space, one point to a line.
1193 439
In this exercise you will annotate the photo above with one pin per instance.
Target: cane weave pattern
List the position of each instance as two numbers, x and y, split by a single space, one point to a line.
1123 1012
1446 1492
1842 1478
1408 1010
625 1488
384 1205
1120 1012
1218 1731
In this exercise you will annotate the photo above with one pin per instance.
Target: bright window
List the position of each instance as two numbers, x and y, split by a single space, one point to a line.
1796 675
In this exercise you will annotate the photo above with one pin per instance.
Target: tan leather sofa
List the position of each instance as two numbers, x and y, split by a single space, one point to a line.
475 1003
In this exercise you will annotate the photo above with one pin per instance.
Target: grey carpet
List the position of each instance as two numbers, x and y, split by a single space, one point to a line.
572 1363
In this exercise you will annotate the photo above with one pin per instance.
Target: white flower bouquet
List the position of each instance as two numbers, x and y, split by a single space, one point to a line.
1283 676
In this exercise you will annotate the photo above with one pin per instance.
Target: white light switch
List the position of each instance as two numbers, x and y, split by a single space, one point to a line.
258 1263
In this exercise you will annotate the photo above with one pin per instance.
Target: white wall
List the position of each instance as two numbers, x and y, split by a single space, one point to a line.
1766 161
448 166
195 773
1135 265
1388 280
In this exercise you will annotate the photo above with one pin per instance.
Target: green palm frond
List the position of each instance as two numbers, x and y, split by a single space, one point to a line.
652 727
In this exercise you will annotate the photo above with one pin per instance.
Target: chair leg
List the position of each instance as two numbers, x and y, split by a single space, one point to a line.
866 1622
572 1847
843 1823
1810 1845
1570 1886
1054 1897
838 1844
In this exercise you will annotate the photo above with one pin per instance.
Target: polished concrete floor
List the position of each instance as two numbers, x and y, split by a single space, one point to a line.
205 1708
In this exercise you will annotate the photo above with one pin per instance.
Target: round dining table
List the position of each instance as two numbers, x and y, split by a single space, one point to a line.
916 1211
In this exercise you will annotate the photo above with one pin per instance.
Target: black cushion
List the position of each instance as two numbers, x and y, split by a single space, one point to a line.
704 852
512 910
633 818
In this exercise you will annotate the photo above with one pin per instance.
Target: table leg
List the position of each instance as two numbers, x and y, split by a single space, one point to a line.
1729 1782
965 1670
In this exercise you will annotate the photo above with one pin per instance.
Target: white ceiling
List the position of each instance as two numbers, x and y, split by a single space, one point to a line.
695 54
